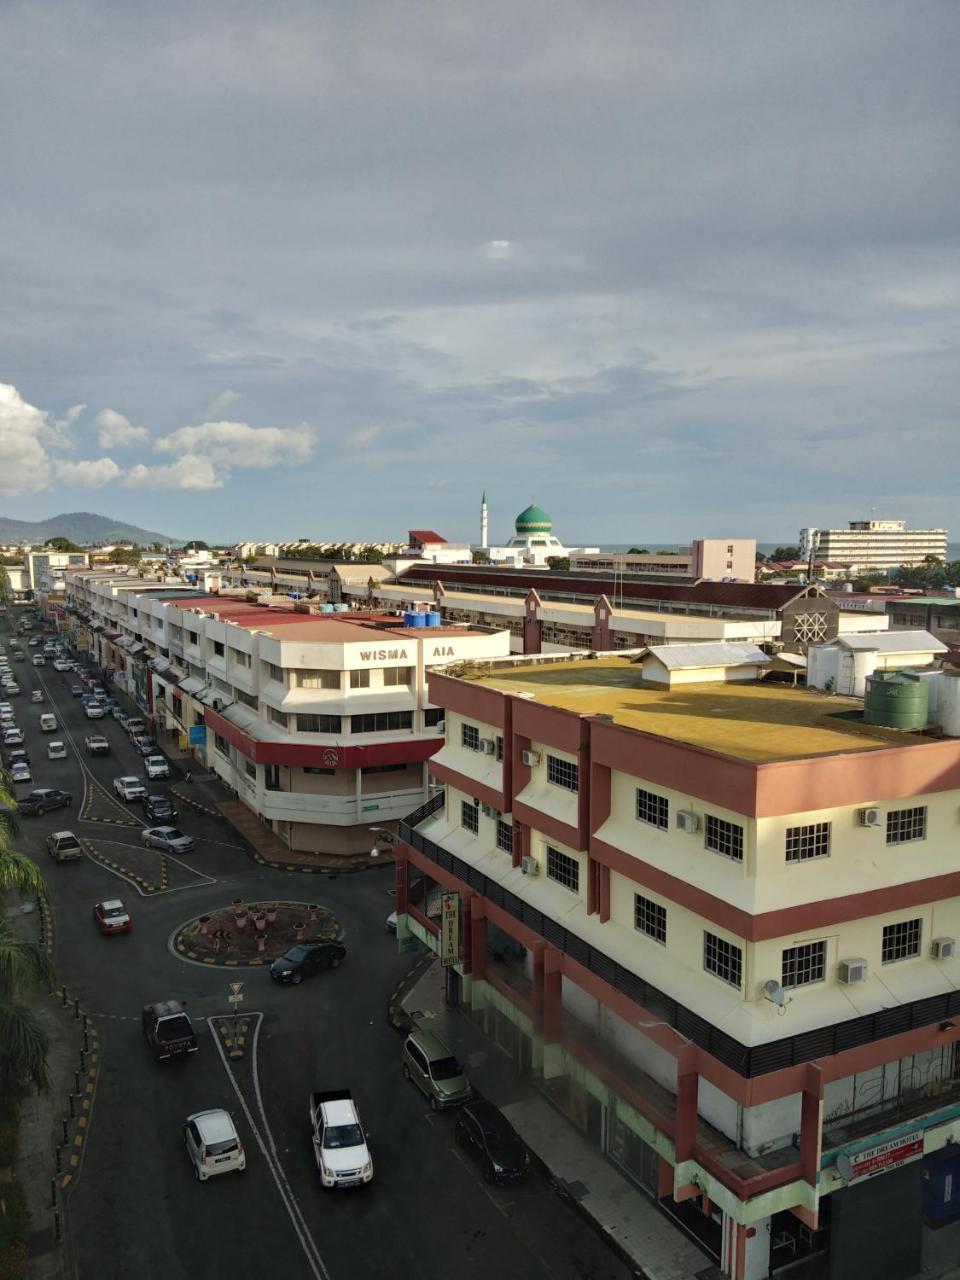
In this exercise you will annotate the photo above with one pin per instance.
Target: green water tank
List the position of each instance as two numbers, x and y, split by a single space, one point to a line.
896 700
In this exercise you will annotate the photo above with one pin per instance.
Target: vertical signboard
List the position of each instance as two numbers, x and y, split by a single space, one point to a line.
449 928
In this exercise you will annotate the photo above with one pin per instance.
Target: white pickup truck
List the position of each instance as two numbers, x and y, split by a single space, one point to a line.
339 1143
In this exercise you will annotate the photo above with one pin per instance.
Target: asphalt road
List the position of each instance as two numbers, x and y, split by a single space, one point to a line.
135 1209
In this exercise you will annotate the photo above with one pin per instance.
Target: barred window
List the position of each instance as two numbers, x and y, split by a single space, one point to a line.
812 841
650 918
653 809
470 737
900 941
564 869
723 959
904 825
803 964
505 835
563 773
499 747
724 837
469 816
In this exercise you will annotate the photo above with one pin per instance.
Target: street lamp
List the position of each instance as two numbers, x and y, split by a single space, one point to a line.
387 834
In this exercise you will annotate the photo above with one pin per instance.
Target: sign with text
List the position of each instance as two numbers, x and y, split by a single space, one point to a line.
198 735
881 1158
449 929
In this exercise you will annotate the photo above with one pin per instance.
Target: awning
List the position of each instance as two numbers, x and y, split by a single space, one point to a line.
136 647
213 697
160 665
191 685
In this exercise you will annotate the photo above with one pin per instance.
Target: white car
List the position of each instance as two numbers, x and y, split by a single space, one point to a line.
39 660
129 788
156 767
37 695
56 751
12 737
213 1144
11 686
61 664
94 711
20 772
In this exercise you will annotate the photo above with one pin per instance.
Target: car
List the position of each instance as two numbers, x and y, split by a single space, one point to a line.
435 1071
76 690
11 686
34 641
12 737
112 917
135 727
63 846
20 756
39 660
109 704
305 959
391 922
41 801
118 713
37 695
145 746
159 808
339 1144
167 1030
129 788
94 711
48 722
484 1132
213 1144
170 839
96 744
61 664
20 772
156 766
56 750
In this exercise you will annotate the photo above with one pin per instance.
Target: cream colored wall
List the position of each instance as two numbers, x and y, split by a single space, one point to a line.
546 796
482 768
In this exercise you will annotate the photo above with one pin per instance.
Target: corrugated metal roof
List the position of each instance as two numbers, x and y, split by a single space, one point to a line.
689 657
894 642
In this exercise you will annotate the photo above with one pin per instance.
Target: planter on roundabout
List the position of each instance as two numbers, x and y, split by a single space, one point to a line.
221 935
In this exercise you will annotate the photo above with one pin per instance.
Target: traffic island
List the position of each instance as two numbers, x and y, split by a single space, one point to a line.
254 933
233 1031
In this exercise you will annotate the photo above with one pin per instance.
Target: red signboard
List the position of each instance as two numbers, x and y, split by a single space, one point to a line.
882 1158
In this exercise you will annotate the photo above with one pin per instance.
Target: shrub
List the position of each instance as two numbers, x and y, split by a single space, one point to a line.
14 1220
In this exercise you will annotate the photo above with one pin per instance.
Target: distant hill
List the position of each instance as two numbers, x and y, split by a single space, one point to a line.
82 527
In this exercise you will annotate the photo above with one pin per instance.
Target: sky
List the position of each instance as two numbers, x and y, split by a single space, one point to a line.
672 270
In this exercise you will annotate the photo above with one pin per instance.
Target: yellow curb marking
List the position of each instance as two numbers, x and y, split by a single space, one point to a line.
82 1122
88 1088
78 1140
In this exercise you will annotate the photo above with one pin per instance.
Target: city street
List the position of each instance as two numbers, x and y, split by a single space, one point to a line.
135 1209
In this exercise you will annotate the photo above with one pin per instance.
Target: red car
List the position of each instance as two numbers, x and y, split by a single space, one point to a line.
112 916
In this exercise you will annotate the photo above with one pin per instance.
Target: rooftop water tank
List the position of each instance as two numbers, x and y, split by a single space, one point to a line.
413 618
341 608
896 700
326 608
433 618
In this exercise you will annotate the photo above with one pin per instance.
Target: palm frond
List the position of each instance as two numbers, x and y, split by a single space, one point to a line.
22 964
18 871
23 1048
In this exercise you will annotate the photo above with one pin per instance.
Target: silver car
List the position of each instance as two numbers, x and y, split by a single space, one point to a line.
169 839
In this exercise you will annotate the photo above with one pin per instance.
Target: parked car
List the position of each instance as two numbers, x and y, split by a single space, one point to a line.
485 1132
11 686
119 714
44 799
434 1070
305 959
112 916
129 788
169 839
159 808
56 750
145 746
135 726
20 756
156 766
20 772
76 690
213 1144
12 737
96 744
63 846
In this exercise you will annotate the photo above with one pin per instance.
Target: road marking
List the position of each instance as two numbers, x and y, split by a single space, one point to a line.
312 1253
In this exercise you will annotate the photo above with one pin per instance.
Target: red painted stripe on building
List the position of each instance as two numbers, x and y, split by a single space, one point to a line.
326 755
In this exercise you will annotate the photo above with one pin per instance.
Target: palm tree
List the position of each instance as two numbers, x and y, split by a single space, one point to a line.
24 966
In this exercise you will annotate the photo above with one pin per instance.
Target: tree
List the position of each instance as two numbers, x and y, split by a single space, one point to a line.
61 544
560 564
371 555
638 551
785 553
480 557
196 545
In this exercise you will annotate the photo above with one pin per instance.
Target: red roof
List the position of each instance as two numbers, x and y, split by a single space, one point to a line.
420 536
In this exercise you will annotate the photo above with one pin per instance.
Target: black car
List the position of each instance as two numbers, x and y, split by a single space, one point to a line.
77 690
305 959
486 1133
18 756
159 809
43 799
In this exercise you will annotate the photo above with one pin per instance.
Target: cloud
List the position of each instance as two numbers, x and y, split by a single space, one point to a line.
24 466
59 435
221 402
237 444
188 472
116 431
497 250
92 474
365 437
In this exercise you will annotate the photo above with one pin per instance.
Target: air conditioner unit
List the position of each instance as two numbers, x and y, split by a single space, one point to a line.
529 866
489 811
530 758
852 971
487 746
943 948
687 821
868 817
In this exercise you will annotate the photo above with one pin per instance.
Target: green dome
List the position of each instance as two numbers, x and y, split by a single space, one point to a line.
533 520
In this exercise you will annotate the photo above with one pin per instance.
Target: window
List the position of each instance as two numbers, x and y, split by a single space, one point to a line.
382 722
250 768
222 745
723 959
803 964
505 835
273 672
652 809
218 648
240 658
278 717
382 768
904 825
499 747
564 869
563 774
470 737
193 637
317 679
724 837
900 941
246 698
309 768
650 918
397 676
359 679
804 843
469 816
433 716
318 724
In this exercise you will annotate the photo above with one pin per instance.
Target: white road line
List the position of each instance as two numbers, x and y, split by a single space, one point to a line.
314 1260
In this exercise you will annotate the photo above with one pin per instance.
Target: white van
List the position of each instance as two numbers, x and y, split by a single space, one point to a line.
48 723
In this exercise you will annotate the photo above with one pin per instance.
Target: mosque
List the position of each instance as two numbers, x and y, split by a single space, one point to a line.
533 542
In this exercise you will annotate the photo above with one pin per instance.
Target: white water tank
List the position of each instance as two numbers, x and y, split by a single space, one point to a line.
949 704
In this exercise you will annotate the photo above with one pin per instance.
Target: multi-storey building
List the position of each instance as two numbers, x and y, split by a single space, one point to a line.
874 546
44 570
717 559
717 924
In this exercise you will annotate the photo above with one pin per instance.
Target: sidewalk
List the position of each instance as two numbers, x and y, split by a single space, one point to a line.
629 1218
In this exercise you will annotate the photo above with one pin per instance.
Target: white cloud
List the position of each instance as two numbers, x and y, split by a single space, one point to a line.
92 474
117 431
237 444
365 437
221 402
24 466
188 472
60 427
496 250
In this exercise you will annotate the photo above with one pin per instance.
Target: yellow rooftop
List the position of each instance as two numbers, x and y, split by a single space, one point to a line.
759 721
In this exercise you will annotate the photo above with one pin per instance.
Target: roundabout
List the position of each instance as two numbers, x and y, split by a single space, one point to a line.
253 934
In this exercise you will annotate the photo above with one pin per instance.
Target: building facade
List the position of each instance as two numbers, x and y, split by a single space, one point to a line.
874 546
717 559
